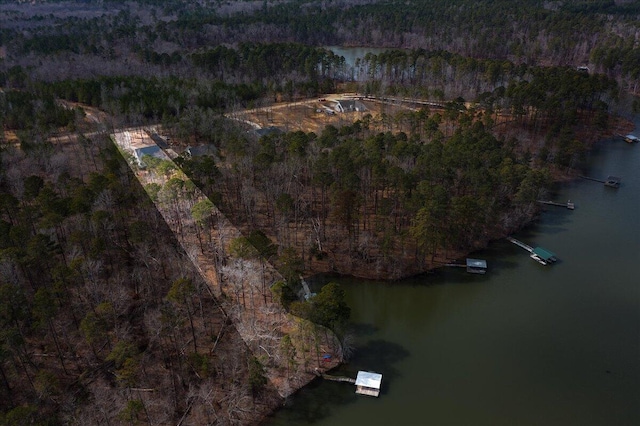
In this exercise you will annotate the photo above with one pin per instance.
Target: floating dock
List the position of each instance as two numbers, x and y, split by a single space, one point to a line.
569 205
540 255
613 181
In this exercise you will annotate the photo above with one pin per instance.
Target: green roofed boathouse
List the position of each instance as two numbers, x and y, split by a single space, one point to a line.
543 256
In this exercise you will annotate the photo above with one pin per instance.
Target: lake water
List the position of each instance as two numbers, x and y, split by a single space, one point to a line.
525 344
351 55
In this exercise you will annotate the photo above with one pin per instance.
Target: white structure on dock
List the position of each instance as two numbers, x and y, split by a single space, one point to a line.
540 255
305 288
368 383
476 266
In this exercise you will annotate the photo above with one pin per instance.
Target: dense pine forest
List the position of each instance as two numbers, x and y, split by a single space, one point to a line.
474 109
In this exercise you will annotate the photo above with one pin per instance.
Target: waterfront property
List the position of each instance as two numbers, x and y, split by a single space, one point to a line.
368 383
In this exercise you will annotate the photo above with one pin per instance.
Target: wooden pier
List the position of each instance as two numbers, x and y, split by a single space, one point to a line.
611 181
520 244
343 379
339 379
569 205
305 288
590 178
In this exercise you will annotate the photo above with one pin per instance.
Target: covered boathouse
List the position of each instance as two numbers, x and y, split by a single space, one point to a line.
476 266
543 256
368 383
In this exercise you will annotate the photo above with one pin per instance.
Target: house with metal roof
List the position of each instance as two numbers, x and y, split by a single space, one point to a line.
150 150
368 383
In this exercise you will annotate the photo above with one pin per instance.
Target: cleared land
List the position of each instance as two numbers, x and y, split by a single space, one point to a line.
313 115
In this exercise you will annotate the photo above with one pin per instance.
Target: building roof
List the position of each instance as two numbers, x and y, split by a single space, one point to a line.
476 263
368 379
343 105
159 140
543 254
202 150
264 131
146 150
151 151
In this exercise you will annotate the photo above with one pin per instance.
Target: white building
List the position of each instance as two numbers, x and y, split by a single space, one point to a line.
349 105
368 383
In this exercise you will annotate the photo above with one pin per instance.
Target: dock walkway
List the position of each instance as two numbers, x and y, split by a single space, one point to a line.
611 181
305 288
520 244
335 378
590 178
569 205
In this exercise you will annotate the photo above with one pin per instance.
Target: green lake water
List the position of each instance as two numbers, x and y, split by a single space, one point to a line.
525 344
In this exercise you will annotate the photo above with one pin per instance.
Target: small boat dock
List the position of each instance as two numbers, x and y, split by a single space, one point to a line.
474 266
611 181
540 255
630 138
569 205
367 382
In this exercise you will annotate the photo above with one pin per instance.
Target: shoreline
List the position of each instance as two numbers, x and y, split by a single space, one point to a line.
345 266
